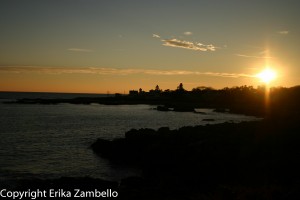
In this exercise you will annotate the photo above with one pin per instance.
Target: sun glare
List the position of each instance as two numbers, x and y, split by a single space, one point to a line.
267 75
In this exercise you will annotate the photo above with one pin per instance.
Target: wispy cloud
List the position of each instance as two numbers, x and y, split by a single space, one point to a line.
155 36
188 45
264 52
196 46
284 32
250 56
80 50
113 71
188 33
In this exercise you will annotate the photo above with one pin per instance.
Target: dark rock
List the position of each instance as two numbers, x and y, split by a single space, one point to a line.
208 120
202 113
221 110
162 108
228 153
102 146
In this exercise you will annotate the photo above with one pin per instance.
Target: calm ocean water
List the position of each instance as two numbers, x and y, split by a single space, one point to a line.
50 141
45 95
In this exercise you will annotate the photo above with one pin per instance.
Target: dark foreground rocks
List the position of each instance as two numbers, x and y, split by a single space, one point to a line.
250 160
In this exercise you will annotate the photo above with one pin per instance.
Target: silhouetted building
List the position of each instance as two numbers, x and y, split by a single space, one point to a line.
133 92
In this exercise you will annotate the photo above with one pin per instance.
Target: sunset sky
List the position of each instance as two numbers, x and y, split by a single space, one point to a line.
100 46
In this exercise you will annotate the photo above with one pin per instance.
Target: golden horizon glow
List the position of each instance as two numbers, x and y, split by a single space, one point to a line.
102 47
267 75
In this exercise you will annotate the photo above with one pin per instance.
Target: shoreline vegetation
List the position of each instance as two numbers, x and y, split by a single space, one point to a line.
247 160
261 101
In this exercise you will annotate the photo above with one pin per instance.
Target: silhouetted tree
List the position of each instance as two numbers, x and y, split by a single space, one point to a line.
200 89
157 89
180 87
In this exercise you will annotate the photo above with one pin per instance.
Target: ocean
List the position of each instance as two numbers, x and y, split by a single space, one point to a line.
52 141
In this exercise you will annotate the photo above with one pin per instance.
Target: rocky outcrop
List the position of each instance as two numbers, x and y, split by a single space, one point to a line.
245 153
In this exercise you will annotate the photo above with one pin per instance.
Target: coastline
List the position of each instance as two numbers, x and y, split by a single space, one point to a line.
240 100
226 160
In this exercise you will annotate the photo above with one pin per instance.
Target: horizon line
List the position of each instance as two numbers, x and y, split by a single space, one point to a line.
112 93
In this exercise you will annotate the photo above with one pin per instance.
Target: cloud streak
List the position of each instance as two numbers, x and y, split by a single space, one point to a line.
260 57
196 46
113 71
155 36
188 45
283 32
79 50
188 33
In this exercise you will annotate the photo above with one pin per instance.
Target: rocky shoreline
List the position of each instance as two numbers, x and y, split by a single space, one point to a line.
249 160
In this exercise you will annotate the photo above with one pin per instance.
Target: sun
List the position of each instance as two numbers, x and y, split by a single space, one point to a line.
267 75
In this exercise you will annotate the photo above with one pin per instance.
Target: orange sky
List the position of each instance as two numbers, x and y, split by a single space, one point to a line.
115 46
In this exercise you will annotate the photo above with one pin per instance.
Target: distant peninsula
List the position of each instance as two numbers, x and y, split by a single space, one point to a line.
260 101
